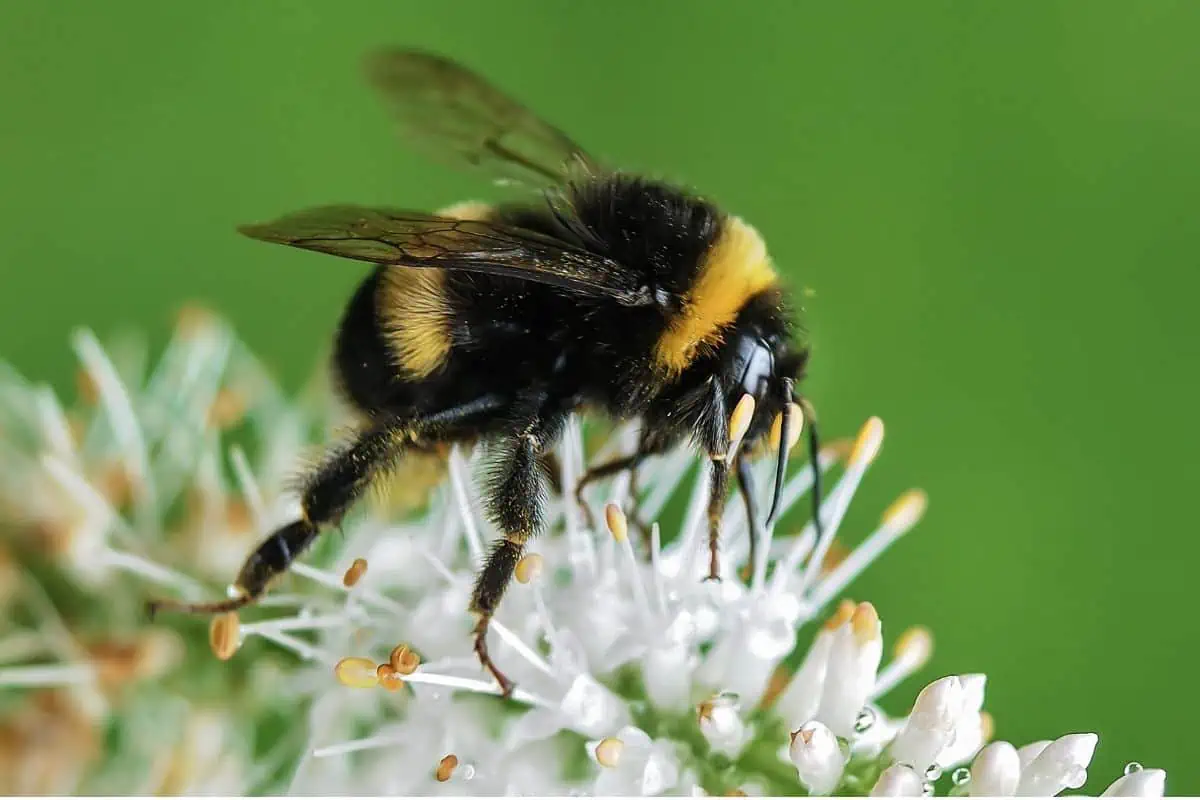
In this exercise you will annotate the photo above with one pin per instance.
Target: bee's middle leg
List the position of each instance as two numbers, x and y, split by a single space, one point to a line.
516 502
598 472
647 446
745 479
716 508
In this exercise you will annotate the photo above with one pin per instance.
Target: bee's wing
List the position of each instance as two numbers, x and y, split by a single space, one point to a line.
452 112
413 239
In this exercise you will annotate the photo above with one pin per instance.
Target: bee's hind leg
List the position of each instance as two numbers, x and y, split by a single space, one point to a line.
552 467
328 494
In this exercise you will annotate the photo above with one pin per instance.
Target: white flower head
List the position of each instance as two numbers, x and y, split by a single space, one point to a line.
818 757
634 676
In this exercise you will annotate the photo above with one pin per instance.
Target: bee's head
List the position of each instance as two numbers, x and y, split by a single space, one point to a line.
761 362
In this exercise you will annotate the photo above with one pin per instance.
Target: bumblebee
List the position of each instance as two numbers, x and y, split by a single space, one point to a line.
607 292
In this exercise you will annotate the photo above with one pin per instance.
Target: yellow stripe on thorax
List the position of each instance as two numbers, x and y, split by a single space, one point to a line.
735 269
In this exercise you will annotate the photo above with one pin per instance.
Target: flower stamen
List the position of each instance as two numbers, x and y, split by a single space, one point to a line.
403 660
529 568
524 650
459 478
866 448
898 520
354 573
224 636
356 673
446 767
388 677
912 652
608 751
795 427
739 423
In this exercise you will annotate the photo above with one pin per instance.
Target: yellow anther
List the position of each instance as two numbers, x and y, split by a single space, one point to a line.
614 517
868 441
529 568
987 725
354 572
842 615
357 673
227 410
608 751
865 623
446 767
796 426
388 677
907 509
403 660
223 635
915 645
739 421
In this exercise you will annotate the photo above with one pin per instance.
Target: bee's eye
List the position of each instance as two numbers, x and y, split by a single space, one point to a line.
754 364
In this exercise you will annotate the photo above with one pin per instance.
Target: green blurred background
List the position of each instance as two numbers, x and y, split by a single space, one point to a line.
995 205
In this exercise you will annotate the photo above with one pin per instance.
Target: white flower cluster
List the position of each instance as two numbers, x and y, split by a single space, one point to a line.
634 676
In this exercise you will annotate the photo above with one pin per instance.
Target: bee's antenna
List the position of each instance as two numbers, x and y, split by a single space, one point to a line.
155 606
785 429
814 449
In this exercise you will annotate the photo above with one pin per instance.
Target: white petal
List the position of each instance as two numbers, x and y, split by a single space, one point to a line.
662 769
818 758
932 724
722 726
996 771
879 733
1142 783
1031 751
758 631
968 738
667 673
591 709
535 725
529 772
1062 765
800 701
625 648
973 690
599 611
644 768
850 676
969 730
899 780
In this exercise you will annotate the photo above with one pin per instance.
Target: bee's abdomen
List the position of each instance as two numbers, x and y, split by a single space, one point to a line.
361 361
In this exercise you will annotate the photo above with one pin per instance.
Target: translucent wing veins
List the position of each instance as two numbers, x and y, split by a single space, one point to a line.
413 239
448 110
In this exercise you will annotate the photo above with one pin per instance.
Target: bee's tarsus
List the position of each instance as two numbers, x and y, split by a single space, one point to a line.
153 607
481 651
745 479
